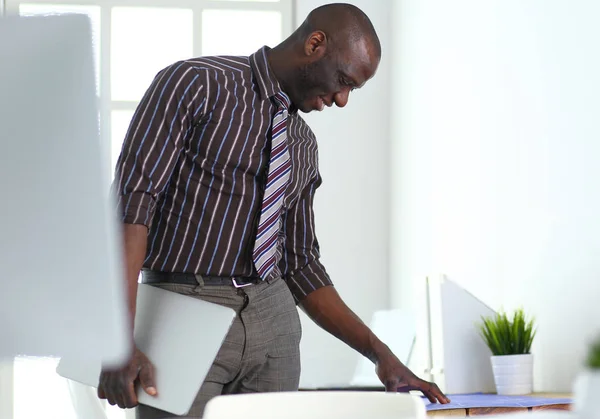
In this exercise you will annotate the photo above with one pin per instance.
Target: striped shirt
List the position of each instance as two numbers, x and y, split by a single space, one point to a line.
193 168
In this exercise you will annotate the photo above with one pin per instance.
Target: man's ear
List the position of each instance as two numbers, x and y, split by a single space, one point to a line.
316 45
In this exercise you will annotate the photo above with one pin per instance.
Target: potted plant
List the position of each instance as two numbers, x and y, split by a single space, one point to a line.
510 342
587 386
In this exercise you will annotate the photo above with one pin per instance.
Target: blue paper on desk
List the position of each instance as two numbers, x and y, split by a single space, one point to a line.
469 401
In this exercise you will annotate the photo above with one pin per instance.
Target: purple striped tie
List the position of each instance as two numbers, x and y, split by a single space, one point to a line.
277 180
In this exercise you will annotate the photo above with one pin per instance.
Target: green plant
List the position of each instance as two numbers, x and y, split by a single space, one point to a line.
593 360
508 337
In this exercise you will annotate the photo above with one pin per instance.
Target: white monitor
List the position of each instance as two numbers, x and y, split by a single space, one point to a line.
61 285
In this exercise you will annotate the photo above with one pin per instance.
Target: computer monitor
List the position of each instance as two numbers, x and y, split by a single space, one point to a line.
61 285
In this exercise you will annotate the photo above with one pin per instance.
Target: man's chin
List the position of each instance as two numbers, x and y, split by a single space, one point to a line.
305 109
308 106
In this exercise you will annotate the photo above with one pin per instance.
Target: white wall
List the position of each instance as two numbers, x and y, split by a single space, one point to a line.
496 177
352 205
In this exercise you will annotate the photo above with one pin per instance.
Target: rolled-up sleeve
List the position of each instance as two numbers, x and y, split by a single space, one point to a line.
165 117
300 264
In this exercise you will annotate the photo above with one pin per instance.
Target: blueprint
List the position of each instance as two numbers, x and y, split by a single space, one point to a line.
468 401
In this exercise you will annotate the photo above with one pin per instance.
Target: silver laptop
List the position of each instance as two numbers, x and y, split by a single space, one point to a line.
61 289
181 336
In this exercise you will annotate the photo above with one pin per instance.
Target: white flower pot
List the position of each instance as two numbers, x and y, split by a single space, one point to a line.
513 374
585 394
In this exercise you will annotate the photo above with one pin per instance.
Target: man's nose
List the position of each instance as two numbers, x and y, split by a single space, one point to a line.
341 98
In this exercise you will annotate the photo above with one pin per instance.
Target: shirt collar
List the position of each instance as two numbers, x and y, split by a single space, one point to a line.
265 78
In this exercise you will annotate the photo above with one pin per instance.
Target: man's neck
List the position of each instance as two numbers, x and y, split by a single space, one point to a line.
280 64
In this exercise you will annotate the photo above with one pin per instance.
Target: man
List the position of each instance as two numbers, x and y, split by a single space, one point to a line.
216 182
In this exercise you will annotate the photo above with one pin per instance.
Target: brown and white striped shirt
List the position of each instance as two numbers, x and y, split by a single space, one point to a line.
193 168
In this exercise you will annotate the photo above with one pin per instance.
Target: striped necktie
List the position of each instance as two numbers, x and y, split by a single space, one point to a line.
277 180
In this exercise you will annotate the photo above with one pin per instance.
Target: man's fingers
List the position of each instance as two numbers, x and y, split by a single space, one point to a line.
429 396
118 390
147 379
110 398
129 395
118 387
122 391
120 400
101 394
438 394
109 390
433 393
391 386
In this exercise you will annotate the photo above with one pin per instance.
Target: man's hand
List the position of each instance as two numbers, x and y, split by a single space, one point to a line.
398 378
118 386
327 309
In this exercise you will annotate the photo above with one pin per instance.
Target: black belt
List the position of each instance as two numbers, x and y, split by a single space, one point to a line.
155 277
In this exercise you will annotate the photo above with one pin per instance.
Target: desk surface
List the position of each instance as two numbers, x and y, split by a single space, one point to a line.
479 411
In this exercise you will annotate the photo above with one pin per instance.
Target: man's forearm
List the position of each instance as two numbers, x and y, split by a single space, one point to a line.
135 238
326 308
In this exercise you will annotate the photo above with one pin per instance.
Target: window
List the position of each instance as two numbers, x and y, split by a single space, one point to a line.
133 40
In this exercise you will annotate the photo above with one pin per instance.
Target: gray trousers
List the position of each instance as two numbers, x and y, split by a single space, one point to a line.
260 353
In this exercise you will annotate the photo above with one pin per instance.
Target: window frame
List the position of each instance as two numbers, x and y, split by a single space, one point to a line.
105 103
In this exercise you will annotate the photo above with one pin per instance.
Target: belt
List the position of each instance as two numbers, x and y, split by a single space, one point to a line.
155 277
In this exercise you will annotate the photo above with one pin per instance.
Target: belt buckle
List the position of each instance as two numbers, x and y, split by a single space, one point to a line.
236 285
